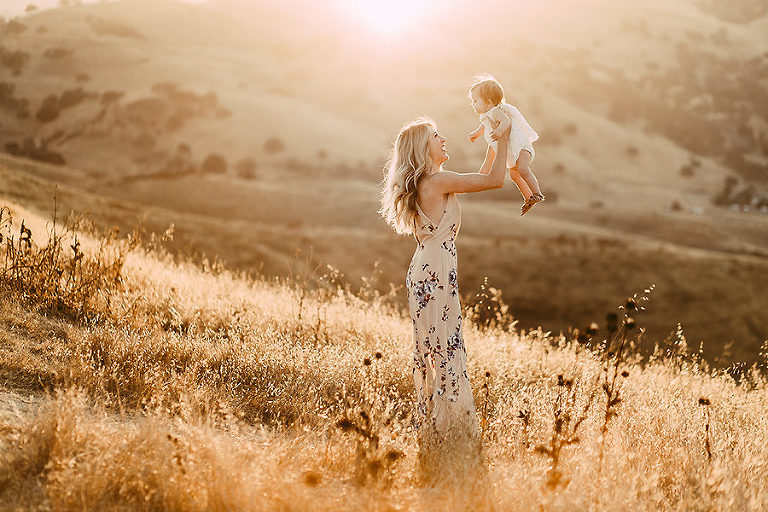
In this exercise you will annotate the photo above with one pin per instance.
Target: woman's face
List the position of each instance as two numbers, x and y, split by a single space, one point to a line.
436 146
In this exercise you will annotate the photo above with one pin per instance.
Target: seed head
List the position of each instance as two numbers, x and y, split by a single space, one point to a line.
487 374
367 361
625 374
345 425
560 380
703 401
629 323
631 305
592 329
312 478
378 355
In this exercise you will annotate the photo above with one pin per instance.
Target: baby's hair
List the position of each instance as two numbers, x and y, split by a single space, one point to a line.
487 88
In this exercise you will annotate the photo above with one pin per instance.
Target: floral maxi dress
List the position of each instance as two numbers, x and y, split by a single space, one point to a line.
443 392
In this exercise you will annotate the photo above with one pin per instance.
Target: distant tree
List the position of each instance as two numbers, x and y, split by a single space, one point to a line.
215 164
687 171
35 150
183 149
15 27
82 77
246 169
71 98
57 52
14 61
109 97
273 145
30 8
49 109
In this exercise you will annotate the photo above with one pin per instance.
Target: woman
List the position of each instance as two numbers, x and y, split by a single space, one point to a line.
419 198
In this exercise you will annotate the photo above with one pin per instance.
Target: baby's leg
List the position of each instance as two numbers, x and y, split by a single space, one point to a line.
523 165
522 186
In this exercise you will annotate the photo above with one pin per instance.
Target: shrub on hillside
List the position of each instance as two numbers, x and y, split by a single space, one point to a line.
110 97
689 169
71 98
57 277
214 164
273 145
49 109
246 169
13 60
36 151
8 100
104 27
57 52
13 27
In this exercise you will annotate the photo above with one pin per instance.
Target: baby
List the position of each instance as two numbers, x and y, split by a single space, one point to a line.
495 116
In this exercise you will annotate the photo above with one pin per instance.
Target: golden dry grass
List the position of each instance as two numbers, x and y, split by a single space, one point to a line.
208 390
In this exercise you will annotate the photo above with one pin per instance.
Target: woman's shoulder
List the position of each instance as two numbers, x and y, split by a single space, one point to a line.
429 186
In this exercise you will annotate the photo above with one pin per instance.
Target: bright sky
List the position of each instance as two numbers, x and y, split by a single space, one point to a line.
11 8
389 17
385 18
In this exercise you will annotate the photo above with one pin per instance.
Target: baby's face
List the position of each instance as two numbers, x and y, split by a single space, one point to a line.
480 105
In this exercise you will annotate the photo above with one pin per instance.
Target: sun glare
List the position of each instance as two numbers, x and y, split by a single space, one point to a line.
388 17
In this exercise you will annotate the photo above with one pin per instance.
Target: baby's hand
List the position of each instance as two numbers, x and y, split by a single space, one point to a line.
473 135
495 135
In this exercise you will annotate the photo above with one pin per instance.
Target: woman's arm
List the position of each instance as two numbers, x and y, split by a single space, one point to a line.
447 182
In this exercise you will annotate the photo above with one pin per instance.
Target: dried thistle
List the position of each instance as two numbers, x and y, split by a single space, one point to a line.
703 401
614 359
567 419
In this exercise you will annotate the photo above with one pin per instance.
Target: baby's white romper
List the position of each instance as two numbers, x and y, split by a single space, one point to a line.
521 136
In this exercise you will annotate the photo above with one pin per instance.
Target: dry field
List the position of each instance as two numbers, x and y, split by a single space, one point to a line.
216 319
174 386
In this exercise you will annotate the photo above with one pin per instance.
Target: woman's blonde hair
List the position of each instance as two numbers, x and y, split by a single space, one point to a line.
487 88
409 162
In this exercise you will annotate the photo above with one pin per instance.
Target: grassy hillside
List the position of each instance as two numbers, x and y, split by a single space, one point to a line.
194 388
300 102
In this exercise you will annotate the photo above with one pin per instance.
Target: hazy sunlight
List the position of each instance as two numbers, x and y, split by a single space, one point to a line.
391 17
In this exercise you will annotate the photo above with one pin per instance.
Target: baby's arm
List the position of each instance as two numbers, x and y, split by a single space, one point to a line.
477 133
503 121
